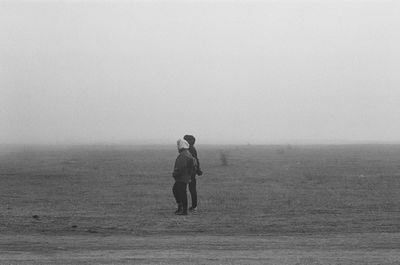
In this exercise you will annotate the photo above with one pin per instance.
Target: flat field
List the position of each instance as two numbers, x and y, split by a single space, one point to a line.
336 204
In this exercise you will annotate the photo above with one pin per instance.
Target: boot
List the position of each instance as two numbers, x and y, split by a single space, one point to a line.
182 212
180 208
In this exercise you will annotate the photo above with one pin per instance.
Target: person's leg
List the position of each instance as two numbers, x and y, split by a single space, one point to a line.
184 198
175 191
193 193
182 195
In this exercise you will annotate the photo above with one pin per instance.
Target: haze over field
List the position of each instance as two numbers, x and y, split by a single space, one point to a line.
230 71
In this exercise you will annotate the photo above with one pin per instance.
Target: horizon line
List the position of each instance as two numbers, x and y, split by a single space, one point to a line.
207 142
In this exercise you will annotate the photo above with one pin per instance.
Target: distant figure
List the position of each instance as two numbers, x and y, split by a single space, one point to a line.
192 185
183 171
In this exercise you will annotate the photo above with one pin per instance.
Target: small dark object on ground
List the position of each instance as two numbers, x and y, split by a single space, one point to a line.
35 216
74 226
224 158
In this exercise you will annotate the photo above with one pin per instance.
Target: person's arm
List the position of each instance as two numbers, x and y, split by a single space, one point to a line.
190 165
198 170
177 171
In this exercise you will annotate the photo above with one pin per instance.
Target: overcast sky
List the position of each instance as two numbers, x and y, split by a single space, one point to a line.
225 71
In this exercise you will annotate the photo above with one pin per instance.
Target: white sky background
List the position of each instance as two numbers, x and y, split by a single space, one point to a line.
227 72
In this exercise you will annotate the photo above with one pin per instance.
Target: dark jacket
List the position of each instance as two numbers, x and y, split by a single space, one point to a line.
191 140
184 167
193 152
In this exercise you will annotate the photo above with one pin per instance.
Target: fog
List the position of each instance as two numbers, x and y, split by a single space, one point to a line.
226 71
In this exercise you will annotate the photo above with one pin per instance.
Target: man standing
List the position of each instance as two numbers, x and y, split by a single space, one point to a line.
183 171
192 185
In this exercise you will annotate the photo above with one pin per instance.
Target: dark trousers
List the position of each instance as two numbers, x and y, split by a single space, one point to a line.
180 194
193 192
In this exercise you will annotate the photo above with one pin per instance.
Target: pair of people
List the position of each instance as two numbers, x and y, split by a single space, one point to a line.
186 167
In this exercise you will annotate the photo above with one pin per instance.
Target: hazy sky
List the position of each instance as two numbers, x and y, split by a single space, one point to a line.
225 71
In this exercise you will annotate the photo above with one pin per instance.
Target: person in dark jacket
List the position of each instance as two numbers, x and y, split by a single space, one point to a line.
183 171
192 185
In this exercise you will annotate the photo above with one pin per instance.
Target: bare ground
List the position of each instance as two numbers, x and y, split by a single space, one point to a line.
381 248
268 205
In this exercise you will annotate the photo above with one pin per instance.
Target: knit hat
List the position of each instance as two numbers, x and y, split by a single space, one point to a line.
182 144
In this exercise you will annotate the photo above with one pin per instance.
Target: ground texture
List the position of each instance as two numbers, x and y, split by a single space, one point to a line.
268 205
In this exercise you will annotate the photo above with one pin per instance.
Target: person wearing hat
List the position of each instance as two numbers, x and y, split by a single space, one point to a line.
192 185
183 171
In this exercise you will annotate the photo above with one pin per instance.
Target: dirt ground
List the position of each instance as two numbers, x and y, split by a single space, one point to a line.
269 205
375 248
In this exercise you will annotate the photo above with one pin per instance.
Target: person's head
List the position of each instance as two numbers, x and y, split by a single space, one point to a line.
182 145
190 139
